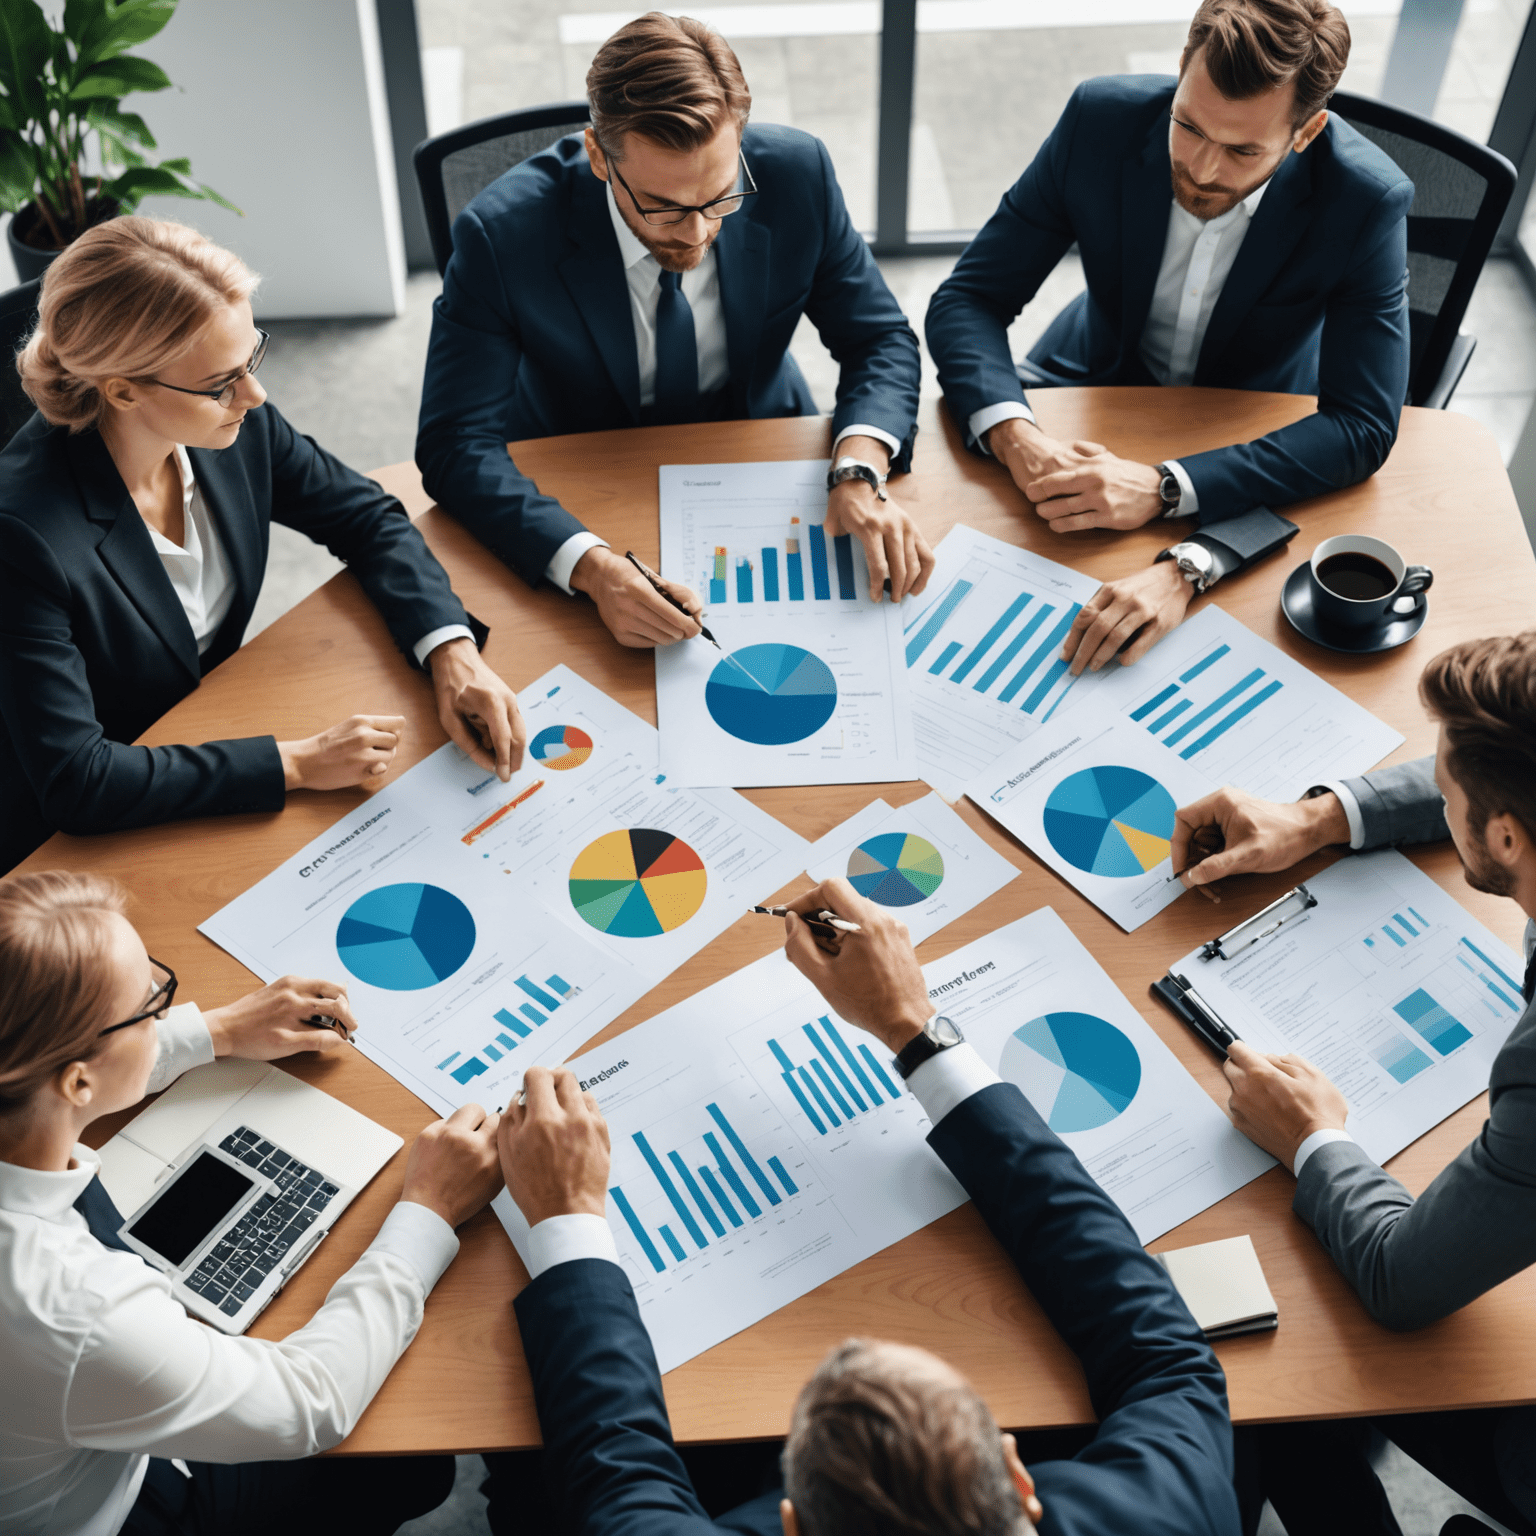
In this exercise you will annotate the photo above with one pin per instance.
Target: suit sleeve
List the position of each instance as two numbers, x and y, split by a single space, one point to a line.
316 494
84 782
1401 804
999 272
608 1452
1362 381
1161 1463
473 359
864 329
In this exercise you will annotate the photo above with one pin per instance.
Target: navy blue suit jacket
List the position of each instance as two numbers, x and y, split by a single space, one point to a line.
95 645
1314 304
1160 1464
533 337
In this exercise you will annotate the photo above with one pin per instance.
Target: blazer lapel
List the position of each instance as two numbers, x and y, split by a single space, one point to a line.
742 254
1273 233
593 275
1146 196
127 550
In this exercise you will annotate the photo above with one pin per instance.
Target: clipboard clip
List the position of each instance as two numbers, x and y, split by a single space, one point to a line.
1275 916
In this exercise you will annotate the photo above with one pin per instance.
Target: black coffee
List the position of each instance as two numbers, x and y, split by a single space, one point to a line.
1357 576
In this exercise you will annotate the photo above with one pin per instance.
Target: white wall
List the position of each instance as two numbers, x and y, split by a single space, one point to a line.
281 107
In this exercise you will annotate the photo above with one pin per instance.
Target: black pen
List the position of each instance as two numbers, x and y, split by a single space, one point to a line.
1216 1031
822 919
662 592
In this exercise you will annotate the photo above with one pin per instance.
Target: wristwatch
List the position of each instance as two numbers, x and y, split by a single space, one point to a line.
1170 490
850 468
1196 564
938 1034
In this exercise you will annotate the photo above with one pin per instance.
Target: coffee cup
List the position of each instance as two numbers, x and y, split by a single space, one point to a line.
1359 582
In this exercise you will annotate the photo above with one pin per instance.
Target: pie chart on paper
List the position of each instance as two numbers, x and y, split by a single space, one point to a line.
401 938
1077 1069
1110 821
896 869
560 747
771 695
637 883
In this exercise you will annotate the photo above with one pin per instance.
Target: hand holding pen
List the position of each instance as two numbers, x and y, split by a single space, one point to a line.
664 591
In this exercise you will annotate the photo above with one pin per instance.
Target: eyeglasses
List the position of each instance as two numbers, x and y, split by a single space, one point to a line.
716 208
224 395
159 1000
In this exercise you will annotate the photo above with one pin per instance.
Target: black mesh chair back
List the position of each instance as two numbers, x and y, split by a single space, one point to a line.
18 314
452 168
1460 191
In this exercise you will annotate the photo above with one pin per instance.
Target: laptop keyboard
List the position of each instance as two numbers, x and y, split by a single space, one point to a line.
255 1245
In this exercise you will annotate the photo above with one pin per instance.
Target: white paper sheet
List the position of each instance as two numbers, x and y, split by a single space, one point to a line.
1095 798
983 653
1388 985
1244 712
810 689
922 861
1044 1016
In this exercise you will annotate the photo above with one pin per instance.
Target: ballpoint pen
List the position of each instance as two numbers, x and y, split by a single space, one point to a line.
662 592
822 919
325 1021
1213 1027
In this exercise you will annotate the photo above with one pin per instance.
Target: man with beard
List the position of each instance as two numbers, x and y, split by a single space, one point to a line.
1278 262
1411 1261
652 271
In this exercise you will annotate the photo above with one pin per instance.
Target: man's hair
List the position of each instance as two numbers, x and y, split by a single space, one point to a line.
1483 692
1253 46
668 78
877 1451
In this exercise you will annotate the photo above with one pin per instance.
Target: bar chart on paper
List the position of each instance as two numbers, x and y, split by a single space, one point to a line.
506 1028
831 1082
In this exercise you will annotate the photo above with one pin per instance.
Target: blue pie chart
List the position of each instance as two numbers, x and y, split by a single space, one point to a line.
771 695
404 937
1111 821
1077 1069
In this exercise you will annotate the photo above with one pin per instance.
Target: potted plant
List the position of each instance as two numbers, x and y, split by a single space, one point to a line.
70 157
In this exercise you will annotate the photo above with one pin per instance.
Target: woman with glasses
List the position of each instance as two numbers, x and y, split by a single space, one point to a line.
107 1378
135 511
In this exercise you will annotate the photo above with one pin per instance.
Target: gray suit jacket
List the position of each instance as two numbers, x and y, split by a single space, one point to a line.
1414 1261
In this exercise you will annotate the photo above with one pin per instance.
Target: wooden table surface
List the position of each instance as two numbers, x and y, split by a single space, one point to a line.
1442 498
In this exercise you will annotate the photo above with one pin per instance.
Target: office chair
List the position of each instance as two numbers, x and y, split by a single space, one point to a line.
1460 191
453 167
18 314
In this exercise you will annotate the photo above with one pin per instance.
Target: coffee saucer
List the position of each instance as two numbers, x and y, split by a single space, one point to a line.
1296 605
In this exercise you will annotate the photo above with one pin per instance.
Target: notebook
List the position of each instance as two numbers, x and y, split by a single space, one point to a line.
1223 1286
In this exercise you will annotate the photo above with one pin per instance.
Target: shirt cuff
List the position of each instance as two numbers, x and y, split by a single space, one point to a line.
184 1043
984 420
1312 1143
1352 813
1189 499
419 1236
859 429
562 563
559 1239
430 641
947 1080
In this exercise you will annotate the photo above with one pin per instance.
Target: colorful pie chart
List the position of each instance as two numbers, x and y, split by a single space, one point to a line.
1110 821
771 695
405 937
896 869
1078 1070
637 883
560 747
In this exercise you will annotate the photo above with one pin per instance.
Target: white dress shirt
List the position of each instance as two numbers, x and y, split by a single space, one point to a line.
205 586
941 1084
701 287
1198 255
103 1368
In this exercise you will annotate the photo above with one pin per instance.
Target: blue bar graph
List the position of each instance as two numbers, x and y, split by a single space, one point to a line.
506 1040
790 1187
1392 934
946 656
492 1052
743 580
816 1093
835 1075
447 1062
1024 673
558 985
770 574
713 1185
1422 922
1172 715
837 1068
542 998
936 619
740 1148
1058 667
1499 992
1203 663
842 548
672 1243
875 1067
1152 703
513 1023
698 1199
731 1176
669 1189
1407 927
794 576
471 1068
820 586
988 640
1201 716
1402 1058
1247 707
1014 646
528 1011
1420 1011
1493 965
647 1247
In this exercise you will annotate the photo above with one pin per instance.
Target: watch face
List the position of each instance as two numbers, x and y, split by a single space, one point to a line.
944 1031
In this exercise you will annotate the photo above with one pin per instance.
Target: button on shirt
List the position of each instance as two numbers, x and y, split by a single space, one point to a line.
103 1368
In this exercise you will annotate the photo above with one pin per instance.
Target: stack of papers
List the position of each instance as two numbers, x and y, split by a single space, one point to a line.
1223 1286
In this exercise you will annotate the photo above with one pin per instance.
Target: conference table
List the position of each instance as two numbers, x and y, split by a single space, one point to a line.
1442 498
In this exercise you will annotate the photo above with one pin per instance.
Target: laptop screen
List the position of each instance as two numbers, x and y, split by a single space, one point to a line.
197 1202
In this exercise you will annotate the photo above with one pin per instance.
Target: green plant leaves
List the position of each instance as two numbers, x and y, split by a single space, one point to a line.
118 77
102 29
18 173
172 178
26 47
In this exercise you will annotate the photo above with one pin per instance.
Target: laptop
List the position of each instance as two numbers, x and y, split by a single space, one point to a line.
234 1176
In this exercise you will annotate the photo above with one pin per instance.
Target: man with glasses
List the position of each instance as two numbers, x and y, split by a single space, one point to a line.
653 272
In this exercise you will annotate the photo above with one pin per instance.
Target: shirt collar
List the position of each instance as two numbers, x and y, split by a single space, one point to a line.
1252 201
631 251
188 481
46 1193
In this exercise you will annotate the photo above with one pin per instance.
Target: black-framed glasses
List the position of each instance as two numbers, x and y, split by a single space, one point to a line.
224 395
715 208
159 1000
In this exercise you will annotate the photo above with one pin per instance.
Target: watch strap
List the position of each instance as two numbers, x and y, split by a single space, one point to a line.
920 1048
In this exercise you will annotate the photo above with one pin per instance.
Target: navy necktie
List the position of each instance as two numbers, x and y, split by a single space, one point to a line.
101 1215
677 355
1530 978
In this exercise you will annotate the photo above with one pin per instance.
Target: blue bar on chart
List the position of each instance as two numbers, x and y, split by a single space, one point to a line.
672 1243
842 547
770 574
988 640
1228 721
1402 1058
820 586
793 572
559 992
834 1085
713 1186
935 619
1172 715
669 1189
647 1247
1427 1018
1012 649
1058 667
743 579
1203 663
1201 716
717 580
946 656
790 1187
1497 969
1152 703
